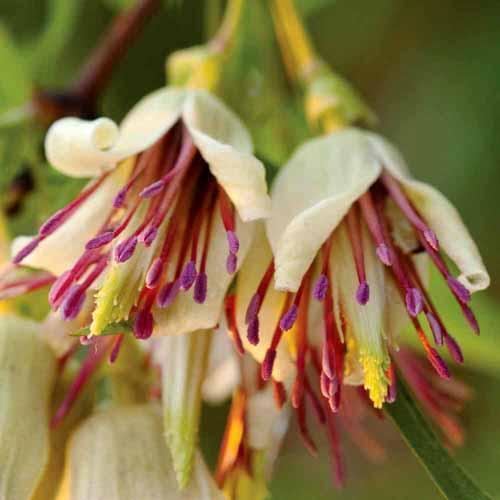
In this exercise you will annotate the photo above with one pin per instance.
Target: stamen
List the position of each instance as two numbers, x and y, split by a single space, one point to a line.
320 287
188 276
200 287
231 263
288 319
335 451
26 250
304 432
354 232
437 332
454 349
279 393
62 215
392 388
168 293
184 159
115 350
154 273
143 324
251 317
398 195
371 218
73 302
18 287
100 240
230 310
125 249
318 409
89 366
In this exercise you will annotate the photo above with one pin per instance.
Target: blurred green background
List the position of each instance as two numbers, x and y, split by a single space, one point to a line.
430 69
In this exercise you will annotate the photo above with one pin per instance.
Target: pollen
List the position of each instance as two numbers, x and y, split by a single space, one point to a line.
376 381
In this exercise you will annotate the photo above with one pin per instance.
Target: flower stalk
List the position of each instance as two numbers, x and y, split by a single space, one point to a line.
331 103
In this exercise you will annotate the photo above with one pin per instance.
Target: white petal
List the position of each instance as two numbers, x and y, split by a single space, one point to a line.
27 370
185 315
81 148
249 277
59 251
119 454
226 146
263 417
312 194
441 216
223 371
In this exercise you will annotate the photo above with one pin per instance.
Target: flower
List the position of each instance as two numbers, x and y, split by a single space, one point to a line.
146 229
27 371
349 230
119 454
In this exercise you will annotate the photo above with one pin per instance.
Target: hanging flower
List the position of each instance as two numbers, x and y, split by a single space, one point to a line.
169 211
349 230
119 454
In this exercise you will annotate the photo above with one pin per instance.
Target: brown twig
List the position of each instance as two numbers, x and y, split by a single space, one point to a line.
81 97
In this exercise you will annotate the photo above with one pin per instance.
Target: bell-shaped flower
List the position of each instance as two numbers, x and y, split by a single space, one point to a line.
349 232
119 453
169 212
27 372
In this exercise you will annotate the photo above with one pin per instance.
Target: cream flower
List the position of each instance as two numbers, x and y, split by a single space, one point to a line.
119 454
148 228
27 371
347 226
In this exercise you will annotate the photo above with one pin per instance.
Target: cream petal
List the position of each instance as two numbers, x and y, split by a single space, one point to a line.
442 217
264 419
119 454
59 251
366 322
185 315
27 370
249 277
226 146
311 195
183 361
81 148
223 371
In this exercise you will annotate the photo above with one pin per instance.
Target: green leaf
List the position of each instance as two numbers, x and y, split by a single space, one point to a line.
111 329
452 481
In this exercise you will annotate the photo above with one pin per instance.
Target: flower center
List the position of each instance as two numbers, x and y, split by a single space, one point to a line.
168 204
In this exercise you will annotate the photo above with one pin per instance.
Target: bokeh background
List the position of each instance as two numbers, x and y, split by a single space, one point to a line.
430 69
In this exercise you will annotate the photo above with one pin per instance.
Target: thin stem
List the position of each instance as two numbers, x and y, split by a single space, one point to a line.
226 33
81 97
124 30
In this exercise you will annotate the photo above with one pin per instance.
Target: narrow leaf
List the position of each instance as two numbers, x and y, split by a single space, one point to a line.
452 481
